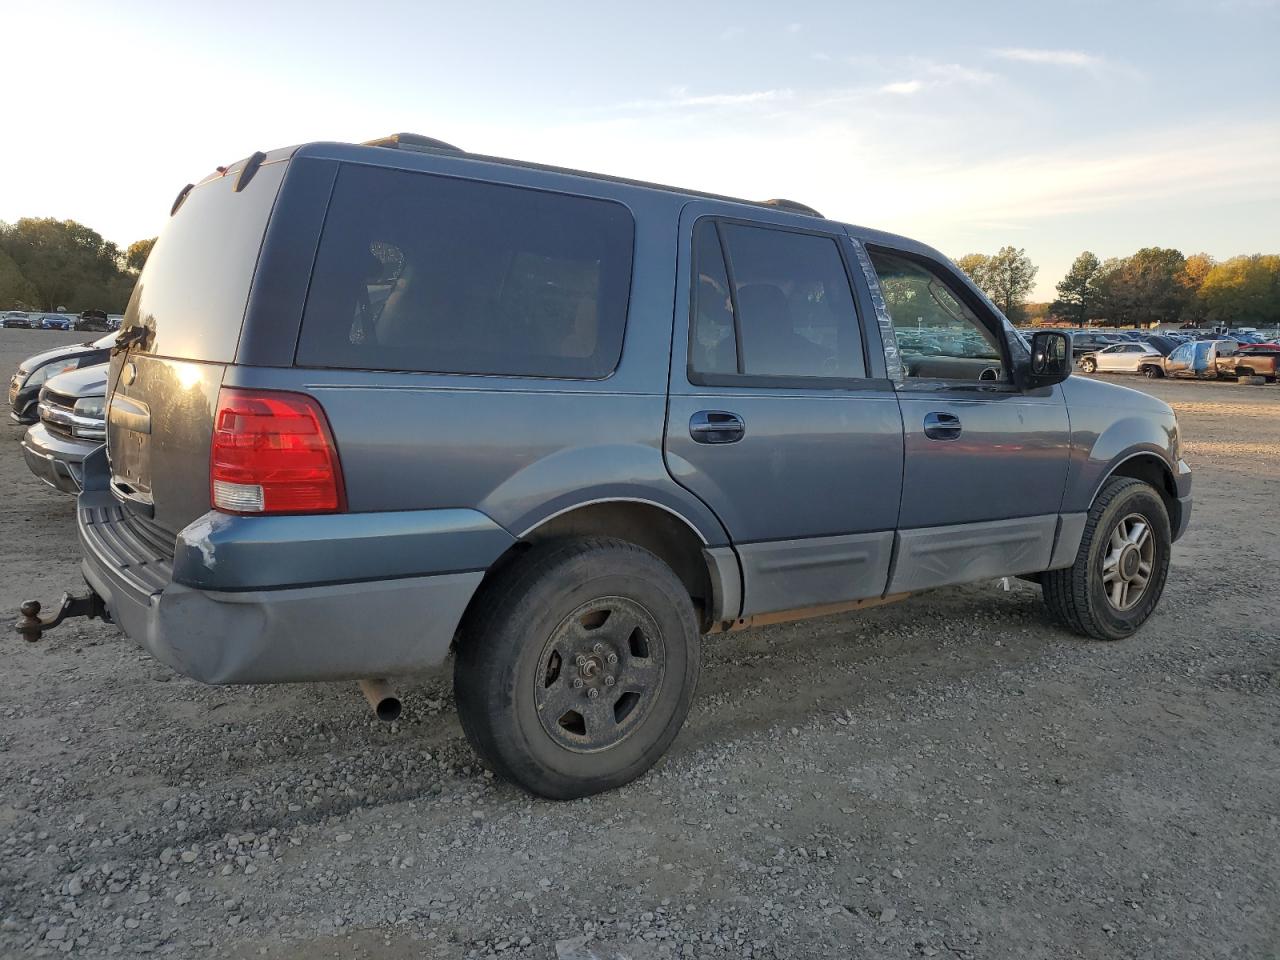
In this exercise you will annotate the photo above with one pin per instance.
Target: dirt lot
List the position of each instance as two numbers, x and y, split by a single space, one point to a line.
949 777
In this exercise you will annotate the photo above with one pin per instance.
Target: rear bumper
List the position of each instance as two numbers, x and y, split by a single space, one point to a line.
56 460
372 622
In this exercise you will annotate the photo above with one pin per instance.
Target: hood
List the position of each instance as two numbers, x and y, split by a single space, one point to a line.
83 382
61 353
1085 392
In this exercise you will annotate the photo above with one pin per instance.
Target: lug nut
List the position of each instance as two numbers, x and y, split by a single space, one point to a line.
613 658
593 693
577 682
608 681
598 648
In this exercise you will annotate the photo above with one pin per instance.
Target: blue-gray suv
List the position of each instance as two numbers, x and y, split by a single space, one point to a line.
374 404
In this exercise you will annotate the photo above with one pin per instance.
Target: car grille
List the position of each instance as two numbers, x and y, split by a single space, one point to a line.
57 412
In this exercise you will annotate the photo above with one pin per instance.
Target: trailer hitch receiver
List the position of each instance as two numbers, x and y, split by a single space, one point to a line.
32 626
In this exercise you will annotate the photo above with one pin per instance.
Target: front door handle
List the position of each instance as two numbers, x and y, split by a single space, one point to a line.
716 426
942 426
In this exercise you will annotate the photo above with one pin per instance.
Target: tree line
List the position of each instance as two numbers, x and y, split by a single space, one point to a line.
1153 285
48 264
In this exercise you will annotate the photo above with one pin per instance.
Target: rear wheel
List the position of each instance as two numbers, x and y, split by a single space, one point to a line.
1152 372
576 670
1120 570
1088 365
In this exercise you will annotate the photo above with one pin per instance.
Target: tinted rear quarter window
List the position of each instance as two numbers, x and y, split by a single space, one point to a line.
194 287
419 272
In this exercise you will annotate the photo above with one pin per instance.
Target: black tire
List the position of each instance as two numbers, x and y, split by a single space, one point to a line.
1088 365
1152 373
517 669
1078 597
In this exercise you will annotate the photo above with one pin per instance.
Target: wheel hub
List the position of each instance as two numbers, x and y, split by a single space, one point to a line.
599 673
1127 565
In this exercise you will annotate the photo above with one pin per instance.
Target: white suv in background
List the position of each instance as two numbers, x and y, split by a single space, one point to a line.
1118 358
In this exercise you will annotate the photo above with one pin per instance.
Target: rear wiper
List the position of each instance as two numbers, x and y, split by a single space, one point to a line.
127 338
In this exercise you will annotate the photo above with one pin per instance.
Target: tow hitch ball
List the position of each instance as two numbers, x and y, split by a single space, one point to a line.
32 625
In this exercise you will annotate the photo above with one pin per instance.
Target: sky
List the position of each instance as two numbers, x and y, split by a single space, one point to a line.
1057 128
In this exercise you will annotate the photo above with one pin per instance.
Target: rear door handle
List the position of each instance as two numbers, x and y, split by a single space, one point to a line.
716 426
942 426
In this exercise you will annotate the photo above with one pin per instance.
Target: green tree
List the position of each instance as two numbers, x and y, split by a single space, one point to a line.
1243 291
1010 277
135 258
67 264
16 291
976 267
1191 279
1144 288
1078 291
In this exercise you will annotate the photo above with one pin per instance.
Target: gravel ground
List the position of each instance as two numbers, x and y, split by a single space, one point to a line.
952 776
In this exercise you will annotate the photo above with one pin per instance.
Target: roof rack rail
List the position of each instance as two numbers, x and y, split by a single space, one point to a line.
791 206
412 141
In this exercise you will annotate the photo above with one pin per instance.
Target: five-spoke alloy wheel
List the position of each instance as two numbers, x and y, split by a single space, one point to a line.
1121 566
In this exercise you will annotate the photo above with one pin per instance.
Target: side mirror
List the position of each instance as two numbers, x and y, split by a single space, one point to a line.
1050 359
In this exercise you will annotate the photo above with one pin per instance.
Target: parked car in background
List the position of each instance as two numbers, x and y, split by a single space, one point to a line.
114 320
1082 343
55 321
429 439
1261 347
1118 358
25 384
1214 359
72 425
16 319
1164 344
95 320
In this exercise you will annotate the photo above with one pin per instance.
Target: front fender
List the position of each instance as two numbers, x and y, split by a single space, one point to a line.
1109 426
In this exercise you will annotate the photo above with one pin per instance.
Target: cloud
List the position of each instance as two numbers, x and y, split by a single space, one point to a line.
903 88
680 99
1057 58
937 75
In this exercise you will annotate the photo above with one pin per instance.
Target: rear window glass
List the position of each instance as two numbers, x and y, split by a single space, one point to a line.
425 273
771 303
194 287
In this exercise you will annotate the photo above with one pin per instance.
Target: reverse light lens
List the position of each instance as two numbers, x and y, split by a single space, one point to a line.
272 452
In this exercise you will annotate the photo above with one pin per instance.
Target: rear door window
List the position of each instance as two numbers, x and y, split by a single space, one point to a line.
771 303
194 287
418 272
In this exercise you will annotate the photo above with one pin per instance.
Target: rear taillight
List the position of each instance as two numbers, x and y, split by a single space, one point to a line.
272 452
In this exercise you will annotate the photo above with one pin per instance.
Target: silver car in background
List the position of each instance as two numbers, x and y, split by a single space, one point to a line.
72 425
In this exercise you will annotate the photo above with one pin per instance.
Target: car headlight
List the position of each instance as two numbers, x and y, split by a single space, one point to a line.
40 374
88 421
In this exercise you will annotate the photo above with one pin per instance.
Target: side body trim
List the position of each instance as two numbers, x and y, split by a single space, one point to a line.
786 574
941 556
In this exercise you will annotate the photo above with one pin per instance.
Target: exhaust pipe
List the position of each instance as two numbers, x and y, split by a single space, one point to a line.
384 700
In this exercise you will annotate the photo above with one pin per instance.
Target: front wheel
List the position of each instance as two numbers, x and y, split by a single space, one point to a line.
1152 373
576 670
1121 566
1088 365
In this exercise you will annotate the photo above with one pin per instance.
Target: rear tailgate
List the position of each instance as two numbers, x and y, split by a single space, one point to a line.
184 321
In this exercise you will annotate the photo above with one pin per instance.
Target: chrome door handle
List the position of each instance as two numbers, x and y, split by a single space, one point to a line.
716 426
942 426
